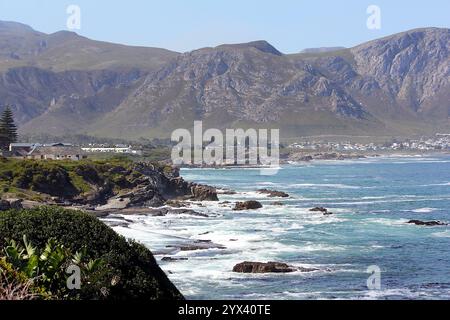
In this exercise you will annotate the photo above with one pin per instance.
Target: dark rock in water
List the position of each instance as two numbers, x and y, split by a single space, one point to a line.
188 212
170 259
274 194
197 245
259 267
247 205
165 211
177 204
204 193
227 192
427 223
277 204
270 267
322 210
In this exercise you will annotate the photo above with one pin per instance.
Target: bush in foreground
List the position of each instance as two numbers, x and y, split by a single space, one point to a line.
129 270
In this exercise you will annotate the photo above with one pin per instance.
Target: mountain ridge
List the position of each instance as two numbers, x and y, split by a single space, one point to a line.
396 85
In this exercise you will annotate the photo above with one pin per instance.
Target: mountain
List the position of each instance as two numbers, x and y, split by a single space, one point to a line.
64 83
20 46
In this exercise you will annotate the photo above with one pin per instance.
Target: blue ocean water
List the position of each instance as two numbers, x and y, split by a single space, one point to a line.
372 201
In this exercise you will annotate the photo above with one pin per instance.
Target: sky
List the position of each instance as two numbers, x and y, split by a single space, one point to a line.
184 25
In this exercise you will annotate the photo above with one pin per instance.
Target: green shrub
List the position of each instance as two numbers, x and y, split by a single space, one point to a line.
46 268
130 266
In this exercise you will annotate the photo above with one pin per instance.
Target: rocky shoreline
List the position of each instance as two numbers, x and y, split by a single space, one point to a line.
161 191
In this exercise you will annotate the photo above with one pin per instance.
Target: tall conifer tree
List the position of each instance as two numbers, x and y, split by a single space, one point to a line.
8 129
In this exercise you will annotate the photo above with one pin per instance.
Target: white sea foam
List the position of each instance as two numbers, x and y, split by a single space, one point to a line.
318 185
424 210
443 234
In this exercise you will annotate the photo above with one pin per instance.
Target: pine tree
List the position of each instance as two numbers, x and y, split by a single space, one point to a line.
8 130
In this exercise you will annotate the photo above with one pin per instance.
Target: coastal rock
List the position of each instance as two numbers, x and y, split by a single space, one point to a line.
274 194
322 210
269 267
203 193
227 192
259 267
197 245
279 204
170 259
427 223
177 204
247 205
166 211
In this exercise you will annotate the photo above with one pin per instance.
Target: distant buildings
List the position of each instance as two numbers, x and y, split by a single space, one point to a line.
439 142
119 149
62 151
53 151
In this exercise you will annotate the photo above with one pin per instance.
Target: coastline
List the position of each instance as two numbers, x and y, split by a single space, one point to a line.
243 236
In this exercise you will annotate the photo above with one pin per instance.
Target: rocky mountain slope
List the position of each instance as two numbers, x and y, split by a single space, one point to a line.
63 83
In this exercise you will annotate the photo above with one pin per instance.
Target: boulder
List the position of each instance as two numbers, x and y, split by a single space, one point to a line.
170 259
274 194
247 205
166 211
203 193
427 223
259 267
322 210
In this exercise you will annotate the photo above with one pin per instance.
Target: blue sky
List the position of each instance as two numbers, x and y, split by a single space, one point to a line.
183 25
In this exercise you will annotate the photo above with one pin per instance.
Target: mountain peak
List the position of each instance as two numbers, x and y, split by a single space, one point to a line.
12 27
260 45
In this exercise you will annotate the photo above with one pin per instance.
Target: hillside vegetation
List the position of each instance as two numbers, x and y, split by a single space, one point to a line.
77 181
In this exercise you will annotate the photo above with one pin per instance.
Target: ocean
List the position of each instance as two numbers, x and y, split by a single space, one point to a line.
372 201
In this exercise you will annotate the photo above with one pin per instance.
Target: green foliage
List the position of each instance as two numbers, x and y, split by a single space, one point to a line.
8 130
128 271
47 267
65 179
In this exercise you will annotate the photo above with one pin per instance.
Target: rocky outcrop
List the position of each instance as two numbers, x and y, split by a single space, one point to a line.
427 223
274 194
247 205
269 267
321 210
168 211
203 193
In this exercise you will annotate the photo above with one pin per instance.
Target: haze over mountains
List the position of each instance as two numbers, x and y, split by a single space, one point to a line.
63 83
